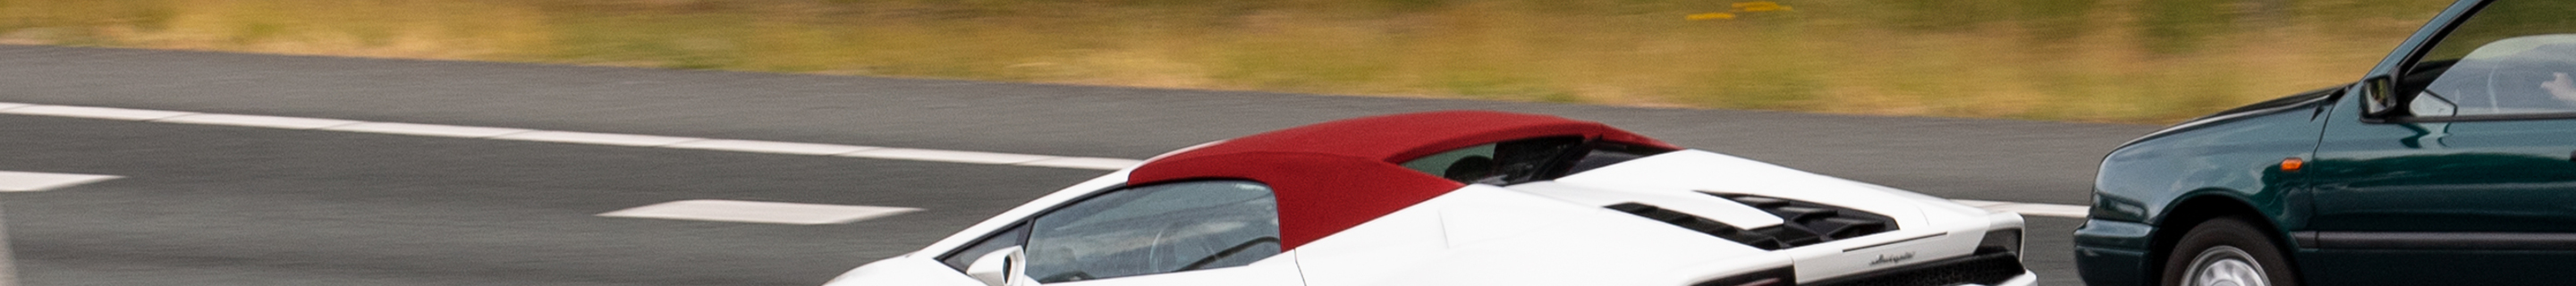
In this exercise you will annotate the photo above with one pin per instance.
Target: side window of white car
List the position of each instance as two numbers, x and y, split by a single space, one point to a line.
1525 160
1155 229
1503 163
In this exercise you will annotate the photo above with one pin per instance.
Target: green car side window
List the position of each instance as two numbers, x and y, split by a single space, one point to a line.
2513 58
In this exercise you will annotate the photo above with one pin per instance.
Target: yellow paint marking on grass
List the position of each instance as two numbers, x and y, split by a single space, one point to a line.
1760 6
1710 16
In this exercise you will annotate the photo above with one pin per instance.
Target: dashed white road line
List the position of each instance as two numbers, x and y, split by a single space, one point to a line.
12 181
954 156
758 212
257 121
94 112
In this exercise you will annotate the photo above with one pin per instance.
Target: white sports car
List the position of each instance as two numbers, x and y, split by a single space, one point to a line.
1467 198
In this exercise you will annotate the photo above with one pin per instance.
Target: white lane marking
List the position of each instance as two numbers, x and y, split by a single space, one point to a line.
954 156
758 212
95 112
597 138
33 181
257 121
427 129
1085 163
2032 209
772 147
2046 210
948 156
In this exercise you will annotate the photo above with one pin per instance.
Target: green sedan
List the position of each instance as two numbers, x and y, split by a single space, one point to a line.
2448 164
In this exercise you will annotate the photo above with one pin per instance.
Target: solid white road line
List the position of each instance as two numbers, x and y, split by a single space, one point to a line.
95 112
758 212
1084 163
597 138
772 147
948 156
427 129
2030 209
257 121
32 181
954 156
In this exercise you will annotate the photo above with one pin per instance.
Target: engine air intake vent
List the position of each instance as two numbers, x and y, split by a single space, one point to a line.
1767 238
1827 222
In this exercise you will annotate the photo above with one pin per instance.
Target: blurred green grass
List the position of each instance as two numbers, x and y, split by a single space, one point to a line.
2140 61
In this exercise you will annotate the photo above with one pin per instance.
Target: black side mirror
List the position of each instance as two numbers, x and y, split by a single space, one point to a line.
2380 99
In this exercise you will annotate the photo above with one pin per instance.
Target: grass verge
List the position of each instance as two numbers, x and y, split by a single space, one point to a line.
2138 61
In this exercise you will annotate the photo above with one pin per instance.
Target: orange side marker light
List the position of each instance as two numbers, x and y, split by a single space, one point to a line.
2292 164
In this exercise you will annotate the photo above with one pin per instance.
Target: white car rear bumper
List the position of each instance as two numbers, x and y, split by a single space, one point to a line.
2026 279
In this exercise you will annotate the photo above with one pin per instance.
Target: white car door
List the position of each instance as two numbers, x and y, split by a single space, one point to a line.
1276 271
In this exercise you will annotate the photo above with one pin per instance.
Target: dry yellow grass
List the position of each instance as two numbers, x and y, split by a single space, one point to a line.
2081 60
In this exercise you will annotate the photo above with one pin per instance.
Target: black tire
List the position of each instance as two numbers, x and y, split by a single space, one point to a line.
2209 246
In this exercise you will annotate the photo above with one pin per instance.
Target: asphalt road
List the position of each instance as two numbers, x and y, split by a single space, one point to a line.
215 205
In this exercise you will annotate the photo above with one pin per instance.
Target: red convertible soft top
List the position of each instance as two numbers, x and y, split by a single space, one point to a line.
1332 176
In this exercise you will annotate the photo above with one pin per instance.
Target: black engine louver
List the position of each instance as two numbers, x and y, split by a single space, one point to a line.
1830 222
1805 223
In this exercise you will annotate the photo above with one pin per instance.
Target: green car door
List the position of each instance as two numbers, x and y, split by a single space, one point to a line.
2462 172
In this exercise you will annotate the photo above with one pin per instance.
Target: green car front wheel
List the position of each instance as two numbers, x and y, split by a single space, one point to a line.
2227 251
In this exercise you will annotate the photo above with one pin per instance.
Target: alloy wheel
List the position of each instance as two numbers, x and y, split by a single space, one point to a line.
2225 265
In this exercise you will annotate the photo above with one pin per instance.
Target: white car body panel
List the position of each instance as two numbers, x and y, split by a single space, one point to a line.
1554 233
1953 230
1582 245
1281 270
1676 199
917 270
